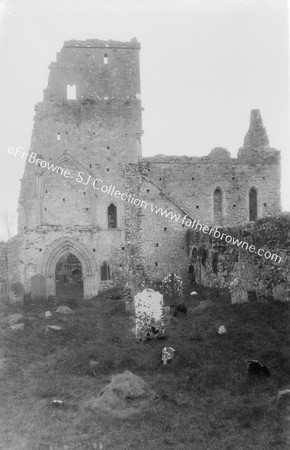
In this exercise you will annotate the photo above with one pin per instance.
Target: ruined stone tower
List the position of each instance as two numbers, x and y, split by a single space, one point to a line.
89 125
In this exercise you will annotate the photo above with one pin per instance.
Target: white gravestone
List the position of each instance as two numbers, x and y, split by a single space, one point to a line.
149 310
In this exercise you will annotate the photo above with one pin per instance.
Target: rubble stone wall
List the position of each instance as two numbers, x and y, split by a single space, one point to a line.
217 263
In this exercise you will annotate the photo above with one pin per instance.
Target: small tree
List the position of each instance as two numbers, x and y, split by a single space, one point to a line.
8 224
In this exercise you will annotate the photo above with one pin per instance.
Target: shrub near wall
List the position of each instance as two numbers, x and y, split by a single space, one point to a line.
269 279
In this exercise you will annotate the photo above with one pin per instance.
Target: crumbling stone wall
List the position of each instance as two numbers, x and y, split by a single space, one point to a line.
91 137
89 124
217 263
3 270
156 244
192 181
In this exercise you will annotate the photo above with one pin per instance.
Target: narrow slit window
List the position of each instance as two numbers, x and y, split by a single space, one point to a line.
112 216
217 205
105 271
253 205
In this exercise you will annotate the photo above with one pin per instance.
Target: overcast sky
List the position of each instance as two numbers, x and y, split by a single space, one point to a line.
204 65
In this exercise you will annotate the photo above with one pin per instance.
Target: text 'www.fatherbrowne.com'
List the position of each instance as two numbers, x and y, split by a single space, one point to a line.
186 221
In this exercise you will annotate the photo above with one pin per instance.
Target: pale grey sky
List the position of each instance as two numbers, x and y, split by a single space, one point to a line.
204 65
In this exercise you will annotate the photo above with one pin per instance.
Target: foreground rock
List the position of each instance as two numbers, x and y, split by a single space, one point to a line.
254 367
64 310
14 318
203 305
53 327
17 326
222 330
126 394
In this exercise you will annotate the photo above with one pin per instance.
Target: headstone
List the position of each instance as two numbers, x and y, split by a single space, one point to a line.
38 287
167 355
172 288
238 292
149 309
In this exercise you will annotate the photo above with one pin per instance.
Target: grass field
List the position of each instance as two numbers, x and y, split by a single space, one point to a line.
206 400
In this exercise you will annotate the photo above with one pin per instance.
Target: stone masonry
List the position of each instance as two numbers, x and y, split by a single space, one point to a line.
88 128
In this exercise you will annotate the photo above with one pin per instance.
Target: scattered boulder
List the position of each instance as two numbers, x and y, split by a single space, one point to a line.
126 394
17 326
254 367
193 293
283 400
57 403
48 314
14 318
203 305
53 327
167 355
64 310
222 330
283 394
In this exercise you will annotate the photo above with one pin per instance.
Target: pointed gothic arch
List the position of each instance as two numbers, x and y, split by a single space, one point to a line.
51 257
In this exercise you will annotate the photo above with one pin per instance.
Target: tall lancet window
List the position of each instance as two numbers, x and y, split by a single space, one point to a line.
112 216
253 204
218 206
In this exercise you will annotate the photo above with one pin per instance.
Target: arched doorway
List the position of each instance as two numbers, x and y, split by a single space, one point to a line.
69 277
56 251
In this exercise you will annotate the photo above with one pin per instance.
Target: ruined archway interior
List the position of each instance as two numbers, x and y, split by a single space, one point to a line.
69 277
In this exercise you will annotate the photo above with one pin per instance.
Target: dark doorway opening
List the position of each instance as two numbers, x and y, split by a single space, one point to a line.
69 278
